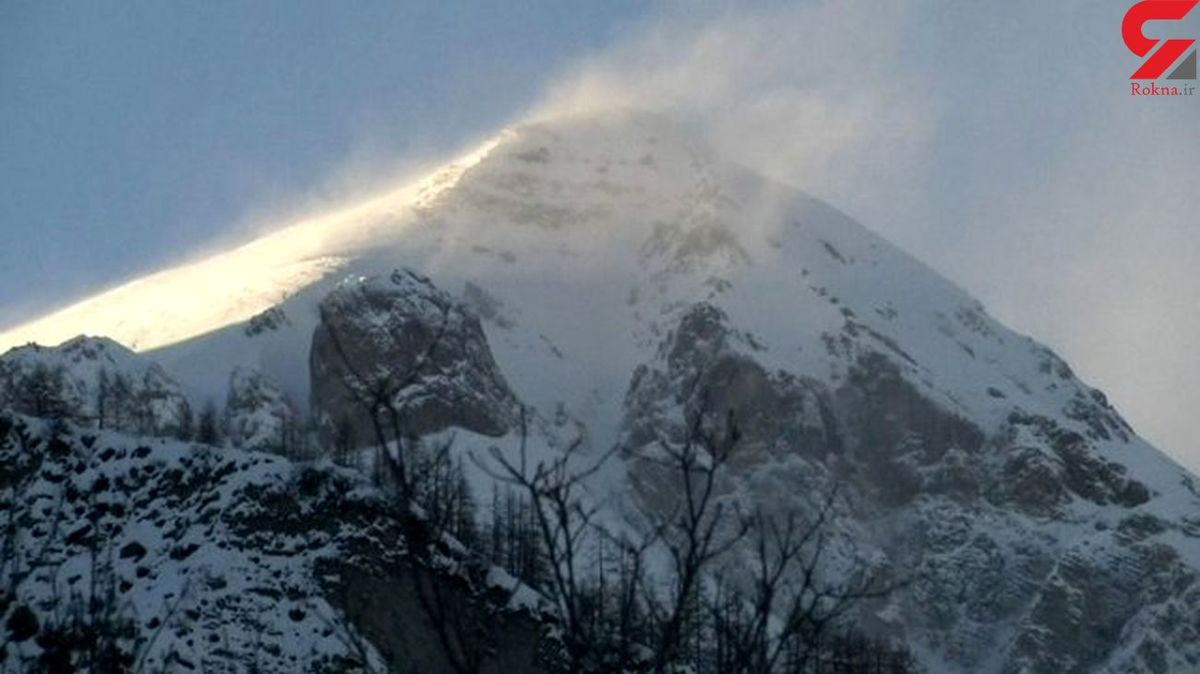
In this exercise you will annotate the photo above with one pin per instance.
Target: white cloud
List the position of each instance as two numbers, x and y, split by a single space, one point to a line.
817 94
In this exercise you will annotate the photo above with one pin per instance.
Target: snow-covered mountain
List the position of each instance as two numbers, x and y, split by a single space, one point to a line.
613 265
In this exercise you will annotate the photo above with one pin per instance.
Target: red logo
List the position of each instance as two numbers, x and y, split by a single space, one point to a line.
1171 49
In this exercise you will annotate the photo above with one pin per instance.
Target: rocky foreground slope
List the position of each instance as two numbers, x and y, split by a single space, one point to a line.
141 554
611 275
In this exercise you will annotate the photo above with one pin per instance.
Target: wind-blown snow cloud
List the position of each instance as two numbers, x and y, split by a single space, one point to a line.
998 143
814 94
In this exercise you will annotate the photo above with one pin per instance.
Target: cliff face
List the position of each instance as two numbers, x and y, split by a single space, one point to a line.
978 522
398 341
258 415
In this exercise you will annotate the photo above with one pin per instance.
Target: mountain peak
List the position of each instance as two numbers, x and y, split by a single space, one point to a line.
603 176
610 131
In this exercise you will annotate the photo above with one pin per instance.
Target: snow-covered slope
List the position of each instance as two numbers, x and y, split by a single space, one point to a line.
587 245
196 298
194 558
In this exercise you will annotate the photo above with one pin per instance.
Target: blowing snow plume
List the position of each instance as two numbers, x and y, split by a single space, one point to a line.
170 306
768 87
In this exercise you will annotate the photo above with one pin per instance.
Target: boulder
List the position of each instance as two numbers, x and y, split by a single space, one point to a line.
399 343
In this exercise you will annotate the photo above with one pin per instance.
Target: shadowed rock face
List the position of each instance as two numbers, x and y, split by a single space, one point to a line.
398 339
382 602
1087 475
257 414
704 366
1090 600
898 438
929 492
876 426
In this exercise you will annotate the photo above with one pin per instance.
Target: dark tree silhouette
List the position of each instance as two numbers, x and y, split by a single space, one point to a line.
208 427
43 393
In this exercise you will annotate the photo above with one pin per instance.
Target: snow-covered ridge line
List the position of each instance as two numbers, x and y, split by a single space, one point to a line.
175 304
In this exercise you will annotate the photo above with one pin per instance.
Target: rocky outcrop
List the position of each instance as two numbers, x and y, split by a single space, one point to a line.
399 341
258 415
875 430
1099 594
225 560
706 366
1078 467
959 508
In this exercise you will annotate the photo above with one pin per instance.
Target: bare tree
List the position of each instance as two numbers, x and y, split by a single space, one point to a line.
612 620
208 427
344 444
103 389
511 539
700 529
613 616
782 621
186 428
377 393
599 633
118 402
626 626
434 501
564 524
439 487
43 394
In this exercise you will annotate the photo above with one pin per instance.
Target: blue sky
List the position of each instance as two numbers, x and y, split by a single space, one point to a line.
996 141
133 132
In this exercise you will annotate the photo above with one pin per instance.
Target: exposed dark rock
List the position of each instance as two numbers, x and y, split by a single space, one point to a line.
1080 470
258 415
942 484
401 339
704 367
22 624
133 550
883 412
383 603
1031 483
266 321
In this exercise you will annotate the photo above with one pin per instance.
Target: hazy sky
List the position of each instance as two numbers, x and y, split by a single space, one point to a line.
996 141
